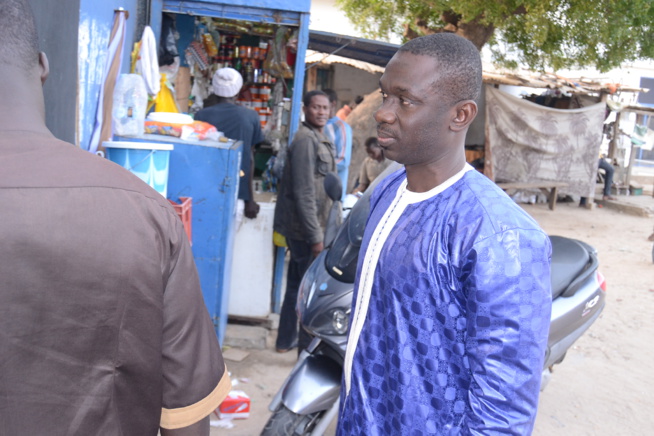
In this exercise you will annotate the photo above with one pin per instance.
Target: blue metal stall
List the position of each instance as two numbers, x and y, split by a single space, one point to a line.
293 13
208 172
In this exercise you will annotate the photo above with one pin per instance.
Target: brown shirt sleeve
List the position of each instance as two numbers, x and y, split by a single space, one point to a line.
195 378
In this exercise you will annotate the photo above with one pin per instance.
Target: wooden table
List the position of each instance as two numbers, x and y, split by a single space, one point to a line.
550 189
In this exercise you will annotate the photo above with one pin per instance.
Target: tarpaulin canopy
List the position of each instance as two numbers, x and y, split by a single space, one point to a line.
532 143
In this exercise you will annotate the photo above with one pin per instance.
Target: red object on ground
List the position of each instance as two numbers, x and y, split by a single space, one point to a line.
236 405
184 211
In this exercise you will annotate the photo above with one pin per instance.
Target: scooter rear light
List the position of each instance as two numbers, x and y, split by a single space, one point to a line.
602 281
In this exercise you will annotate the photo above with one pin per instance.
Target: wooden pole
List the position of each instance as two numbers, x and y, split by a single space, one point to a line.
613 145
632 154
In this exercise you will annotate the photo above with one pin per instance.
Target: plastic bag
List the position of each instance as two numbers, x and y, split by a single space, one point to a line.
129 105
168 45
199 130
165 100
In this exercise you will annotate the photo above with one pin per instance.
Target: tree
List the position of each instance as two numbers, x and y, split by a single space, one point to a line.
539 33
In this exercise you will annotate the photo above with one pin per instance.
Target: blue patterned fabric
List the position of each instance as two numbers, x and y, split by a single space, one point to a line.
456 330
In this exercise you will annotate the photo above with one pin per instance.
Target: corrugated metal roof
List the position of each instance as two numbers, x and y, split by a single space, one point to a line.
314 57
554 81
366 50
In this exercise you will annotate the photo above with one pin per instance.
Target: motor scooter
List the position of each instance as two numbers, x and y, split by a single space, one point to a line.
307 402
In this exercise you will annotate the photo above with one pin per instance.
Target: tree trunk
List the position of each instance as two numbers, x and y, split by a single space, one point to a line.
477 33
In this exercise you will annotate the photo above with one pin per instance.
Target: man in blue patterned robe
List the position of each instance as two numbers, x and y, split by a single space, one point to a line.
452 298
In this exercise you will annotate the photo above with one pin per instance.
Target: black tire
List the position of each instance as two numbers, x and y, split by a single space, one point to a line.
283 422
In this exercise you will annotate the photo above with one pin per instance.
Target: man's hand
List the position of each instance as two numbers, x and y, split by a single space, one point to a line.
316 249
251 209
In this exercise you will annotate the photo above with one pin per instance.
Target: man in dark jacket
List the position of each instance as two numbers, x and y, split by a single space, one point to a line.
303 206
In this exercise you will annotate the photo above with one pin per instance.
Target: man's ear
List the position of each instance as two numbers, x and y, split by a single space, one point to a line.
466 111
45 67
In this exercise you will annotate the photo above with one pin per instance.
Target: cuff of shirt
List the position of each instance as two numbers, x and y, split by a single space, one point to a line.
185 416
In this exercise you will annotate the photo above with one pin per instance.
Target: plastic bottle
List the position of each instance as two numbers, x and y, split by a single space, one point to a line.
130 104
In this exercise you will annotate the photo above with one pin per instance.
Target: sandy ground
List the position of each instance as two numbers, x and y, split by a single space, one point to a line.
605 386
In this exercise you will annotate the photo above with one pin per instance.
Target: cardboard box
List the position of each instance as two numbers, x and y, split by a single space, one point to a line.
235 406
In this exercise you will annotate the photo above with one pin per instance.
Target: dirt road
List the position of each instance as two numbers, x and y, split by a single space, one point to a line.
605 385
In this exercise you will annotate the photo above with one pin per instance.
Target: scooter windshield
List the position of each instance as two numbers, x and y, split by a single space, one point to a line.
341 260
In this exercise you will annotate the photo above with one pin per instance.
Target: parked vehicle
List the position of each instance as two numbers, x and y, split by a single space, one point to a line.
307 402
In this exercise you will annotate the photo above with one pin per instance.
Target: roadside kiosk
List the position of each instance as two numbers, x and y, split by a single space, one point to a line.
208 171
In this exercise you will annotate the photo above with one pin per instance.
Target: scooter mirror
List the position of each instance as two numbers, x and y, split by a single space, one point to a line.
333 186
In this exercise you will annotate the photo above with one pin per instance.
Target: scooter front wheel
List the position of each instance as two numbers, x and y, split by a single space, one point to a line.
284 422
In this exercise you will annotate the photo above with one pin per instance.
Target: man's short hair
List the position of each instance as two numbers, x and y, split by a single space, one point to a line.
309 95
331 94
459 64
19 44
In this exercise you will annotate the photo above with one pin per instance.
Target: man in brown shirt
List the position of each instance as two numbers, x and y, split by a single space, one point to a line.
372 166
103 328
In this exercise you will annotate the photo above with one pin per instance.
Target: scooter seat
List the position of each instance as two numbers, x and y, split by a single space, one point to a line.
569 259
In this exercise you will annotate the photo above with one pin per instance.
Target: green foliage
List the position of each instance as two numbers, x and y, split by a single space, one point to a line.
541 34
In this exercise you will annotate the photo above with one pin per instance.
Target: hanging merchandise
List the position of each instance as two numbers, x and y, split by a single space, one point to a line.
291 49
196 55
262 53
278 65
199 91
209 45
167 47
146 64
133 57
130 101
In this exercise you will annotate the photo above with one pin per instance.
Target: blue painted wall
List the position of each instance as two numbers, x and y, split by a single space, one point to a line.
95 24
